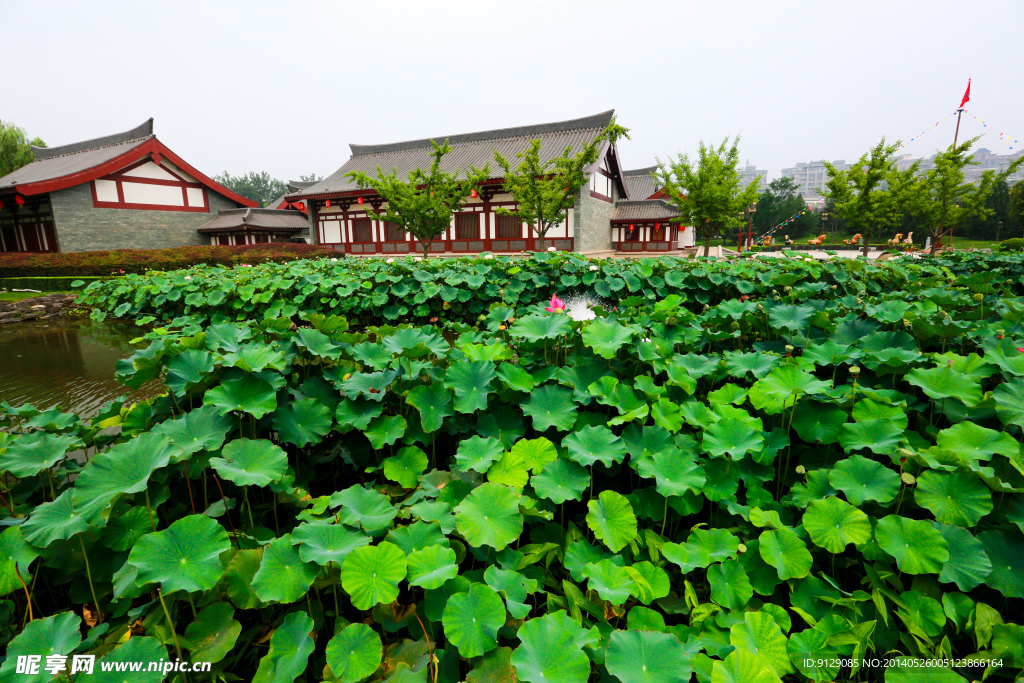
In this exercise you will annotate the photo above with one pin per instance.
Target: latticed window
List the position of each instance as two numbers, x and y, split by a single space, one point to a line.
393 232
467 226
509 227
362 230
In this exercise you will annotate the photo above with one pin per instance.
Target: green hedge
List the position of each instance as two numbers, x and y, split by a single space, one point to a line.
123 261
1012 244
46 284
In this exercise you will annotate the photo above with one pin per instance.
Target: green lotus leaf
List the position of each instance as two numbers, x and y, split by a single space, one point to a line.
200 429
53 521
125 468
536 327
322 543
790 318
16 555
430 567
472 619
370 354
612 582
283 576
968 564
739 364
255 357
248 462
758 633
667 415
535 454
478 453
418 535
490 516
819 422
290 647
551 406
184 556
406 466
916 545
595 443
733 438
862 479
356 413
213 633
778 388
318 344
302 422
515 587
368 385
226 336
674 473
972 442
611 519
496 665
56 635
560 481
829 353
364 507
514 377
813 656
354 653
703 547
1006 552
28 455
238 576
137 649
123 532
742 666
833 524
953 498
688 556
548 653
869 409
1009 400
652 583
434 401
944 382
385 430
370 574
730 586
647 657
248 394
606 338
471 382
878 436
784 550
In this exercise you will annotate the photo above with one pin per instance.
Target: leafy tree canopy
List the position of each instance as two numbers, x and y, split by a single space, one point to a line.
311 178
423 203
546 190
15 148
779 202
259 187
707 191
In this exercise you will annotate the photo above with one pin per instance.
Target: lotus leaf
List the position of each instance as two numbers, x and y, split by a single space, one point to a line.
184 556
916 545
247 393
302 422
646 657
592 444
471 382
611 519
551 406
783 549
478 453
548 653
758 633
472 619
354 653
490 516
248 462
370 574
862 479
432 566
321 543
833 524
290 647
952 498
214 632
560 481
364 507
32 453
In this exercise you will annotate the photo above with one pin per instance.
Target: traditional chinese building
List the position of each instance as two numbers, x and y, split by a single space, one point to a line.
123 191
644 223
338 208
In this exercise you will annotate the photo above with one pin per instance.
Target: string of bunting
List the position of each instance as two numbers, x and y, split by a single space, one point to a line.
1011 142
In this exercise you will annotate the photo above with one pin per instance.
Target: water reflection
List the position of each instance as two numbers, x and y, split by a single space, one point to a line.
66 362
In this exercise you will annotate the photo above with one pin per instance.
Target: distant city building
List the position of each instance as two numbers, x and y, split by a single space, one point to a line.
811 177
749 173
986 158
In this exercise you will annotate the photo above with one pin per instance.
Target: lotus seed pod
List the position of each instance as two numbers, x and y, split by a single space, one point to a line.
760 307
788 289
979 297
800 469
906 453
734 326
860 302
742 548
855 371
789 349
1000 334
908 478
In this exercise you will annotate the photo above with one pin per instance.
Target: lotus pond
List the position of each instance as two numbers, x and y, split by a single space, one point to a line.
745 471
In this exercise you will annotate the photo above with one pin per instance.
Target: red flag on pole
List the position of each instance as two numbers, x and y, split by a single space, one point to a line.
967 95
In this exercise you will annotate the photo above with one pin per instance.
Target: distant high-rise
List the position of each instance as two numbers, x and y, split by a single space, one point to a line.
749 173
811 178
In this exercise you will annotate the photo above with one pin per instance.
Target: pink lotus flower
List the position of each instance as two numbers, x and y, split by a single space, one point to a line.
556 306
1020 349
247 265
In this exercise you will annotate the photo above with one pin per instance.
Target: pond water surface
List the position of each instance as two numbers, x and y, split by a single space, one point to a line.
66 362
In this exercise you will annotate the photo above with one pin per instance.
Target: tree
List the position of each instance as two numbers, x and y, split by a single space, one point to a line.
986 227
424 202
872 193
15 150
781 201
1016 210
311 178
707 192
259 187
545 191
945 199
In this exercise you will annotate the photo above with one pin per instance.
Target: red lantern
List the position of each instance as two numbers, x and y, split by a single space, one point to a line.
360 200
631 227
1 204
473 194
328 204
19 200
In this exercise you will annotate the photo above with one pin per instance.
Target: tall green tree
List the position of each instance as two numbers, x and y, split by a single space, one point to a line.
424 202
546 190
311 178
707 190
1016 209
15 148
259 187
944 197
779 202
873 193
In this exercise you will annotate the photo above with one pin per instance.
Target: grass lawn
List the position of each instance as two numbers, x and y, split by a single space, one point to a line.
18 296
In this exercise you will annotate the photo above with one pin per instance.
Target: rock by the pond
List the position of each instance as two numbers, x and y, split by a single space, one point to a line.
46 306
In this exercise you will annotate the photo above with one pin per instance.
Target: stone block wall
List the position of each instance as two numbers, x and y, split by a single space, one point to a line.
82 227
592 220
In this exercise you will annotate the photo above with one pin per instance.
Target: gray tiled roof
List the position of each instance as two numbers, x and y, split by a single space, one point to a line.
468 149
640 182
257 219
57 162
644 210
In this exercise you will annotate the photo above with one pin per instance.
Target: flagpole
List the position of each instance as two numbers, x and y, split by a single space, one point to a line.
957 133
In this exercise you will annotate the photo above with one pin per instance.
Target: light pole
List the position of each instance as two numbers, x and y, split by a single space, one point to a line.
824 224
999 226
751 210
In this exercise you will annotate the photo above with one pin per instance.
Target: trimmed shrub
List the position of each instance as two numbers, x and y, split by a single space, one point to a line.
1012 244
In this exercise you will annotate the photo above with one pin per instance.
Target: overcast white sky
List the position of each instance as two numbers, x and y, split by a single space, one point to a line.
285 86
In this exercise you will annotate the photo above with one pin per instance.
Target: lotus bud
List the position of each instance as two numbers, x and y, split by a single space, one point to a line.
501 327
906 323
835 287
854 370
800 469
908 478
706 307
481 317
734 326
906 453
1000 334
760 307
860 302
788 289
978 298
347 375
741 548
